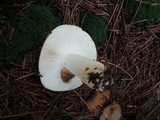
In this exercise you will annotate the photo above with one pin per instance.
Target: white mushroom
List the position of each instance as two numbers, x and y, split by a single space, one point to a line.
70 51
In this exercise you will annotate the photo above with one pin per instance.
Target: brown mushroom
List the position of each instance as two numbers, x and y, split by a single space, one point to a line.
111 112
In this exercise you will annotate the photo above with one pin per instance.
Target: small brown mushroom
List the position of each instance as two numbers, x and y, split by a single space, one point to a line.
111 112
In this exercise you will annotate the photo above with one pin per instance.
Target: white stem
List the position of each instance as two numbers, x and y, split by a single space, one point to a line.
88 70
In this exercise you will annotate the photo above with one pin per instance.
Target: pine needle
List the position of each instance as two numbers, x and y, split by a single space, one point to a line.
117 66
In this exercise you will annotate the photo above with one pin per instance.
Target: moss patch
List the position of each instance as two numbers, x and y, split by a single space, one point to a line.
95 27
31 31
148 10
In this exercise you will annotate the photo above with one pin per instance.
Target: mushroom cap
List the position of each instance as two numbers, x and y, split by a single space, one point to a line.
63 40
111 112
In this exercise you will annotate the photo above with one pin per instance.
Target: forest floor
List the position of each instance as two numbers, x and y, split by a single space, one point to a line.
136 50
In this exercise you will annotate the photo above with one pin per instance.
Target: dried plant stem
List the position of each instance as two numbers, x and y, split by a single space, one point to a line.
117 66
25 76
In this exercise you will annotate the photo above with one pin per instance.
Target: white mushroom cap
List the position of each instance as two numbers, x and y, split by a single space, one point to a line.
64 40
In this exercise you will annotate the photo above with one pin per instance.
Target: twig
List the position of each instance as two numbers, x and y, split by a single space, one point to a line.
25 76
81 99
150 113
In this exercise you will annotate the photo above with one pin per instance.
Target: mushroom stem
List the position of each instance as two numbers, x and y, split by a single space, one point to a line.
96 102
88 70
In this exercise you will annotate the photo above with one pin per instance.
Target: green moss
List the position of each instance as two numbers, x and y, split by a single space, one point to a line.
31 31
2 19
95 27
147 11
154 13
14 1
8 53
